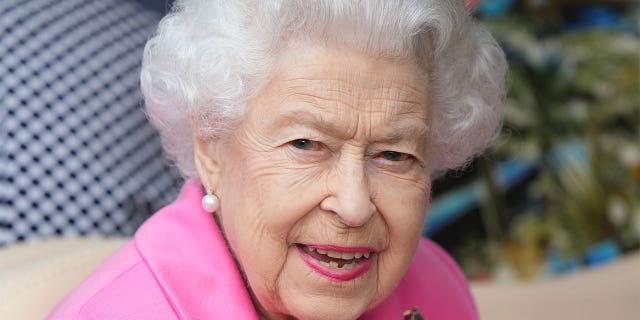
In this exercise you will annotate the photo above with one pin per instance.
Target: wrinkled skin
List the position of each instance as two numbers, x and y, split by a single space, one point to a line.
334 150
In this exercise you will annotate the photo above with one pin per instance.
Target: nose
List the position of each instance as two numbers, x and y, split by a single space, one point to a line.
349 195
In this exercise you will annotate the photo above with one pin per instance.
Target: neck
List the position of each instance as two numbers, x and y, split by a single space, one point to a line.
260 310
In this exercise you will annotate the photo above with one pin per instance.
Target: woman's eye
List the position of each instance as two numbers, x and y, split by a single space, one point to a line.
395 161
305 144
395 156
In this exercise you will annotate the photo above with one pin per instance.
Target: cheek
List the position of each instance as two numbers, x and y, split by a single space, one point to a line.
404 213
256 238
402 202
403 206
263 202
267 194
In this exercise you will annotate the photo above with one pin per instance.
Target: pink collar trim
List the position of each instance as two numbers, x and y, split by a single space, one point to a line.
186 252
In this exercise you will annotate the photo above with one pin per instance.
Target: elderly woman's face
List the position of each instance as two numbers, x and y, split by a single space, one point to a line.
325 184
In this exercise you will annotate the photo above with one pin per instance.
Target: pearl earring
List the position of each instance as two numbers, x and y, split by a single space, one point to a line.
210 202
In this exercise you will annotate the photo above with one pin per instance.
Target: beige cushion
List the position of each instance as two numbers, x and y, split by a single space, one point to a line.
607 292
35 276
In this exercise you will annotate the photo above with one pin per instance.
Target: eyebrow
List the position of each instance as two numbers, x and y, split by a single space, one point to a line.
308 119
317 122
404 132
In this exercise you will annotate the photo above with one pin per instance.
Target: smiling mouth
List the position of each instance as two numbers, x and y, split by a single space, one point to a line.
337 263
336 259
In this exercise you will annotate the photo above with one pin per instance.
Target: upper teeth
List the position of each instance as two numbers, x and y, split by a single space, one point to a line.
342 255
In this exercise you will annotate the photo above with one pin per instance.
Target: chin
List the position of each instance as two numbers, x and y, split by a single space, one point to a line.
330 312
323 308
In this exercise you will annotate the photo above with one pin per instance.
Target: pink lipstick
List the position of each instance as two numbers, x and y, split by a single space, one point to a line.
337 262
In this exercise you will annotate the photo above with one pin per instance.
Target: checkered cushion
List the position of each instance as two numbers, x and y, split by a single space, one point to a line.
77 155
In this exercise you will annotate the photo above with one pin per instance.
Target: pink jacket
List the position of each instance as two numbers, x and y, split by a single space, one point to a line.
178 267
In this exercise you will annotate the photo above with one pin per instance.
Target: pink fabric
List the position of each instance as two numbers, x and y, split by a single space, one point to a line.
434 284
178 267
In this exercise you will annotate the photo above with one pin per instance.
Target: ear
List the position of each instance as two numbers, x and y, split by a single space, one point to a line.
206 162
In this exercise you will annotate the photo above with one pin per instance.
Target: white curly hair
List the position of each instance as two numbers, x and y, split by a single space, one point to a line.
209 57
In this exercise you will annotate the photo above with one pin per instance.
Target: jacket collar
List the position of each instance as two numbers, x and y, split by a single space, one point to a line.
187 254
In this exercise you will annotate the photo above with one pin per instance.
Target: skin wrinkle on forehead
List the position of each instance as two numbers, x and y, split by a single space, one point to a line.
344 83
340 79
341 87
330 85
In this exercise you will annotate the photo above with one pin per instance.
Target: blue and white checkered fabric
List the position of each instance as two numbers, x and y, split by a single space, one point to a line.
77 155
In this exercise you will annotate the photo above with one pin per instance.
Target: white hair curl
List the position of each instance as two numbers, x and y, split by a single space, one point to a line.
209 57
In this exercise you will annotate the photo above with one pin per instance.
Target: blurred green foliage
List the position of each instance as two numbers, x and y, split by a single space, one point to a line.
573 108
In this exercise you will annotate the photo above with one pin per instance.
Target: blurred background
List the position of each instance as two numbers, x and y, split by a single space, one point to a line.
546 224
559 189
